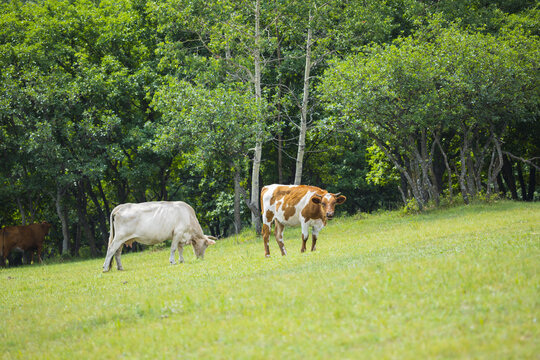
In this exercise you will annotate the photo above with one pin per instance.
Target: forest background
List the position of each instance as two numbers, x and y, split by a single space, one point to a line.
392 103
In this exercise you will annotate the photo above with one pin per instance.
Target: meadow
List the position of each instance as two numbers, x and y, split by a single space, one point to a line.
462 282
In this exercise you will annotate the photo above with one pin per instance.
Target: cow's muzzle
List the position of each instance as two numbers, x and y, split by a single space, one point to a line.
330 216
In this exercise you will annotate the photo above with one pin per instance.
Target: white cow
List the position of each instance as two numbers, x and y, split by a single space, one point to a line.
150 223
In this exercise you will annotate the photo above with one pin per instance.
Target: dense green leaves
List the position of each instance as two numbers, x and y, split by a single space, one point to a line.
107 102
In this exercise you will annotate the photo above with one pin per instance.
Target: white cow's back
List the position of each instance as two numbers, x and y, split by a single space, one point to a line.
153 222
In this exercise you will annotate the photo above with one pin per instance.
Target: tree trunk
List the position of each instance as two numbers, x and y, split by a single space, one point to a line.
83 217
32 209
463 174
21 210
532 183
305 102
521 180
508 176
237 217
502 188
255 218
104 198
78 237
102 216
450 192
499 163
63 218
410 177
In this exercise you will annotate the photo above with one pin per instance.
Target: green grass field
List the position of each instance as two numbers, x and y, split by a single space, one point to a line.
456 283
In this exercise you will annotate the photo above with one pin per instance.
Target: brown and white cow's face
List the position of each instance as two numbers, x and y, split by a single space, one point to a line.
328 203
200 245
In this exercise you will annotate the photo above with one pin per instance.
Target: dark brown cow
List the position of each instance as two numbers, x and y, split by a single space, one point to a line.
24 237
293 205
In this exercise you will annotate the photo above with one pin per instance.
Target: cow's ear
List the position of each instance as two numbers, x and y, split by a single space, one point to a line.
210 241
316 199
341 199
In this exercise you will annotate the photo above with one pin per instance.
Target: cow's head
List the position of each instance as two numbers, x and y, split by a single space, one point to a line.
45 226
201 243
328 203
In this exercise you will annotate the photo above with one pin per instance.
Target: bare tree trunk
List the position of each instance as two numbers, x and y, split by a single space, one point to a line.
78 237
32 209
105 202
83 217
305 102
63 218
450 192
532 183
496 169
102 216
508 176
237 218
255 218
411 177
521 180
463 174
21 210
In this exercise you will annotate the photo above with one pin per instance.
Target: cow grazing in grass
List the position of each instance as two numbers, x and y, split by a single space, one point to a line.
293 205
151 223
28 238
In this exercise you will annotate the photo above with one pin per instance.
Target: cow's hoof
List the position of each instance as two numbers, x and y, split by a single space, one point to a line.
173 262
267 255
105 270
121 269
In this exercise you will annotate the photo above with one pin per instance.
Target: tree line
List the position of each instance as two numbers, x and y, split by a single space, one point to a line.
402 101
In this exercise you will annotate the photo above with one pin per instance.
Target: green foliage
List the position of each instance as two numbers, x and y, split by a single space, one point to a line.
110 102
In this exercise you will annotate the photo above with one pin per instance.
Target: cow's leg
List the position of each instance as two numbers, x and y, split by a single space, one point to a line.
110 253
305 235
314 235
39 250
174 246
266 228
180 253
279 237
117 256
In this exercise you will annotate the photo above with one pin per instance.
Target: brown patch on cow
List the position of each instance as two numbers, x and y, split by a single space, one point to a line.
314 211
269 216
289 210
278 205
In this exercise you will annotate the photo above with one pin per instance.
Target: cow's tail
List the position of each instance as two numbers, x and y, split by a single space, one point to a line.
111 236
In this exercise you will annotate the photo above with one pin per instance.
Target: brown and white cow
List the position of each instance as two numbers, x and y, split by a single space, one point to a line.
23 237
153 222
293 205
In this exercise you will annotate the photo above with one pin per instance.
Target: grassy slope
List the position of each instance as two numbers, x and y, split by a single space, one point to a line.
462 282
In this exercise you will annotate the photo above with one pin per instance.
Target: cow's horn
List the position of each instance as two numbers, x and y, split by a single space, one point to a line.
337 194
211 237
